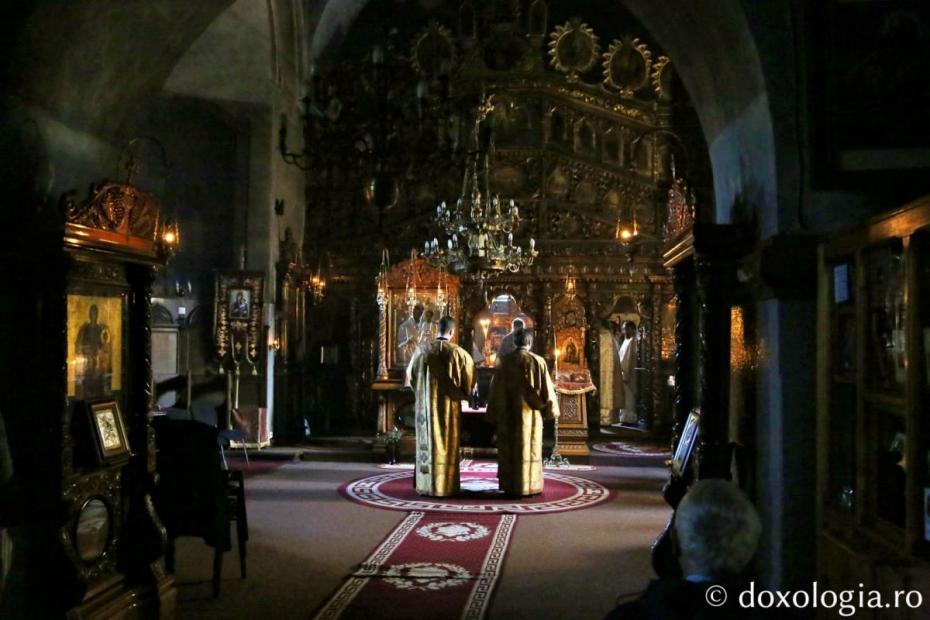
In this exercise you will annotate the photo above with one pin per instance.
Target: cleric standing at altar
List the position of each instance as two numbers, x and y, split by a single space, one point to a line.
442 375
521 393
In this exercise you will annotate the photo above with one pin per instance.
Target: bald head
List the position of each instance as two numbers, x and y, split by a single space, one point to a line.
718 529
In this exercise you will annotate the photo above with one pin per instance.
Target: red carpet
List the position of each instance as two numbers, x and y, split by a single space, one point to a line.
394 491
430 567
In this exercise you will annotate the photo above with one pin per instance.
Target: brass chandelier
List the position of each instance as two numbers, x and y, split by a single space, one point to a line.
479 229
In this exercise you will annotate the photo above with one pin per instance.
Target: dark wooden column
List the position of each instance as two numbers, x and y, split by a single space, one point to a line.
144 541
713 454
685 353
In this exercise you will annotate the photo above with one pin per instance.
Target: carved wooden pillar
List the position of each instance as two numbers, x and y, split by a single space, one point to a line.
381 300
546 322
658 422
685 353
284 323
714 339
144 538
593 353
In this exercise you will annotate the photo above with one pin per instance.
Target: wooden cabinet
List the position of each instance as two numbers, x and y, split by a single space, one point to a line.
76 327
873 461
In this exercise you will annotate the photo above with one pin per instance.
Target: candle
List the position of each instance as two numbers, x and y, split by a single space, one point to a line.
532 243
555 344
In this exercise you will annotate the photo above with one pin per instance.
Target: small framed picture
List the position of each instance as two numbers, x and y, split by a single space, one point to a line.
108 431
686 443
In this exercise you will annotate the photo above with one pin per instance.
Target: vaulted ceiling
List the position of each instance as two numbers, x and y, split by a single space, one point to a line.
90 62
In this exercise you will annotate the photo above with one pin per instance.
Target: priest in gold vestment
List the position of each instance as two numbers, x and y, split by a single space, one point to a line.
521 393
442 376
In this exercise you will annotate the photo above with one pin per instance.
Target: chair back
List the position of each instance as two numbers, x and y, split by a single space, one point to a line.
190 493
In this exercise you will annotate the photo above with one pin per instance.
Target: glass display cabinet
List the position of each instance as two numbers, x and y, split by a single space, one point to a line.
873 461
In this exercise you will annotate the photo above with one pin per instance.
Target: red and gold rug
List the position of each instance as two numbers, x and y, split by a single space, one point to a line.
431 566
470 465
480 494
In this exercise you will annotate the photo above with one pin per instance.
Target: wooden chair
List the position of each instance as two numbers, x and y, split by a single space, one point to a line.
195 495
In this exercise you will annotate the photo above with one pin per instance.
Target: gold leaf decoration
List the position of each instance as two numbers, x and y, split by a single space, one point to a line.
662 76
573 48
626 65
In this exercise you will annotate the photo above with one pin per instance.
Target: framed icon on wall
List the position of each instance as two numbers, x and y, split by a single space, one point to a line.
238 318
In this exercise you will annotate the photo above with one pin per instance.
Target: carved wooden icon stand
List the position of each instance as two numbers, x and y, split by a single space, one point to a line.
572 377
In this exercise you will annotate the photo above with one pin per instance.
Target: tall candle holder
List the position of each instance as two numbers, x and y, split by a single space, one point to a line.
556 459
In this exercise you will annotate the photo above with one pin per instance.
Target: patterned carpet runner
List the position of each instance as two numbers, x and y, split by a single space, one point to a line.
432 566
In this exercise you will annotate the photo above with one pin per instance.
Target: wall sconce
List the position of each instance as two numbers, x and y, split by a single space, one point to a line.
181 290
274 345
316 284
168 238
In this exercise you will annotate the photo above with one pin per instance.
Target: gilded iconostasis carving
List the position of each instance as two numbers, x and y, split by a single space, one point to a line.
587 130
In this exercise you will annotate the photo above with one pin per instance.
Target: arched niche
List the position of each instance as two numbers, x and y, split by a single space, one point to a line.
585 138
558 126
161 316
611 147
491 324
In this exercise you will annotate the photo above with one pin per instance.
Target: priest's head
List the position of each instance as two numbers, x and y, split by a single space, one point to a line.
629 329
446 326
522 339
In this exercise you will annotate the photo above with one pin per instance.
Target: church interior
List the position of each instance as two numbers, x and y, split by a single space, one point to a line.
232 225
